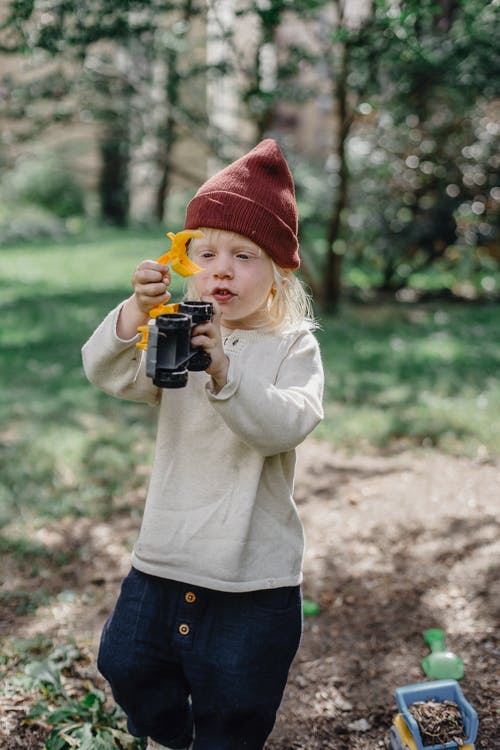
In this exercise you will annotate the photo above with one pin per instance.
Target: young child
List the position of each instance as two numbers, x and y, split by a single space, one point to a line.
208 621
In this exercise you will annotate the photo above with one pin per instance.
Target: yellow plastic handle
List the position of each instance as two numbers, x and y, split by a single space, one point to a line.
181 264
177 255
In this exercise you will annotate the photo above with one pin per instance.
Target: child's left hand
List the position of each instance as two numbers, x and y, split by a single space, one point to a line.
208 336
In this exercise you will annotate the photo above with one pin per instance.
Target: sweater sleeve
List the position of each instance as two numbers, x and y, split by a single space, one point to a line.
275 417
116 366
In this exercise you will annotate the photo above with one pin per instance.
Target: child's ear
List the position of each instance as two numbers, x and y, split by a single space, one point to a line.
283 281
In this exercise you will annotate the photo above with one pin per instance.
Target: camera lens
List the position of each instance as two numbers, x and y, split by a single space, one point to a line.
200 312
171 378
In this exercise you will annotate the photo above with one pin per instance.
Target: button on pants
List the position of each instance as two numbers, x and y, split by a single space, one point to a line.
179 656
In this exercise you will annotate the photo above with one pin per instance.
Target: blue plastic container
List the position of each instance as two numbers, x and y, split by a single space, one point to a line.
437 690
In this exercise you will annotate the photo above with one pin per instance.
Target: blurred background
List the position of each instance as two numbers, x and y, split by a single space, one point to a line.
115 112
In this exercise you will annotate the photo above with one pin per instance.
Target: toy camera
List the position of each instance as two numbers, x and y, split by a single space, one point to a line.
169 355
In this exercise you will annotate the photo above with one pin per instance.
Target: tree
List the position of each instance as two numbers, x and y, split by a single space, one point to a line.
264 68
177 76
113 52
344 39
65 33
433 68
270 75
336 35
279 72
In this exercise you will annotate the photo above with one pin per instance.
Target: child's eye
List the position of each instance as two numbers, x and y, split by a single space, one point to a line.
243 256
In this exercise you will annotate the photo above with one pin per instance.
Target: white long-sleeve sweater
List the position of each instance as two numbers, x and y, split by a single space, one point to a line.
219 511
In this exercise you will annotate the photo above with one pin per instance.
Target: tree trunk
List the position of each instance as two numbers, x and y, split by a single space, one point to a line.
172 95
163 190
113 178
332 276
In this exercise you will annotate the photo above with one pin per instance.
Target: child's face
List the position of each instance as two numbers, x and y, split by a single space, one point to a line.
238 276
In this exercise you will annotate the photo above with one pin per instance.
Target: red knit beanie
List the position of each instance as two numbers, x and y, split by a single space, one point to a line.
255 197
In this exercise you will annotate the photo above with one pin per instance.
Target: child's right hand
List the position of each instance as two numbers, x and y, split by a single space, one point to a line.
150 282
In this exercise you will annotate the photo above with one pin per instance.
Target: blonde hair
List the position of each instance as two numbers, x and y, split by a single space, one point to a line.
289 305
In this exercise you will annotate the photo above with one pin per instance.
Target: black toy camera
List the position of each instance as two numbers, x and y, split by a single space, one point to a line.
169 355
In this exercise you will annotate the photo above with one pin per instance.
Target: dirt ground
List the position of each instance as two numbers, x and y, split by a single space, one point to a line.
396 543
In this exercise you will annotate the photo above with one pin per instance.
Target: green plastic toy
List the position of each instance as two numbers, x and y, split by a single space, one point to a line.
441 664
310 608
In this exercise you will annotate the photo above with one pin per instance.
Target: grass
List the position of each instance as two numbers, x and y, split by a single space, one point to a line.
417 374
66 447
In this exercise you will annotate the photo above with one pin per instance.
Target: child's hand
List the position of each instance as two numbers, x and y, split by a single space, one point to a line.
150 282
208 336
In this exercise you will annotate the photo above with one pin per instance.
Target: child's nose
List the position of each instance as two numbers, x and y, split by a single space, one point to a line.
224 267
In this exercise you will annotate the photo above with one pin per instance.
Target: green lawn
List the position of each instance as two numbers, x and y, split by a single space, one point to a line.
401 374
396 375
65 447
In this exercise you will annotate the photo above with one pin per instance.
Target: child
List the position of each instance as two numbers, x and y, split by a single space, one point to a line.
209 618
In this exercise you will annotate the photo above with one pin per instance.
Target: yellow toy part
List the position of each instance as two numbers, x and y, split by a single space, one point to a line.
153 313
177 255
404 734
143 343
402 738
163 309
181 264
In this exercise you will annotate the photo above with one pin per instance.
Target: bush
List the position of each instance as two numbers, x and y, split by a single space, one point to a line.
47 184
29 223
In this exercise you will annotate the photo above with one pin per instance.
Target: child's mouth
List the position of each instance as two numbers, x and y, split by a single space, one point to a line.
222 295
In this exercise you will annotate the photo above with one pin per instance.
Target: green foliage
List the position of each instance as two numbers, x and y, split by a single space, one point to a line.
24 602
422 155
44 182
22 223
80 719
421 78
45 671
84 723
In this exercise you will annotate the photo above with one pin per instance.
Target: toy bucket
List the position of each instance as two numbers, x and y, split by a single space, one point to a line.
439 691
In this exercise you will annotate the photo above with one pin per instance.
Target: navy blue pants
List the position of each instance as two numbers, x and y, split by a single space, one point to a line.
177 655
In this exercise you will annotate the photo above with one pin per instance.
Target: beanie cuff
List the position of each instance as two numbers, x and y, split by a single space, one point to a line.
236 213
